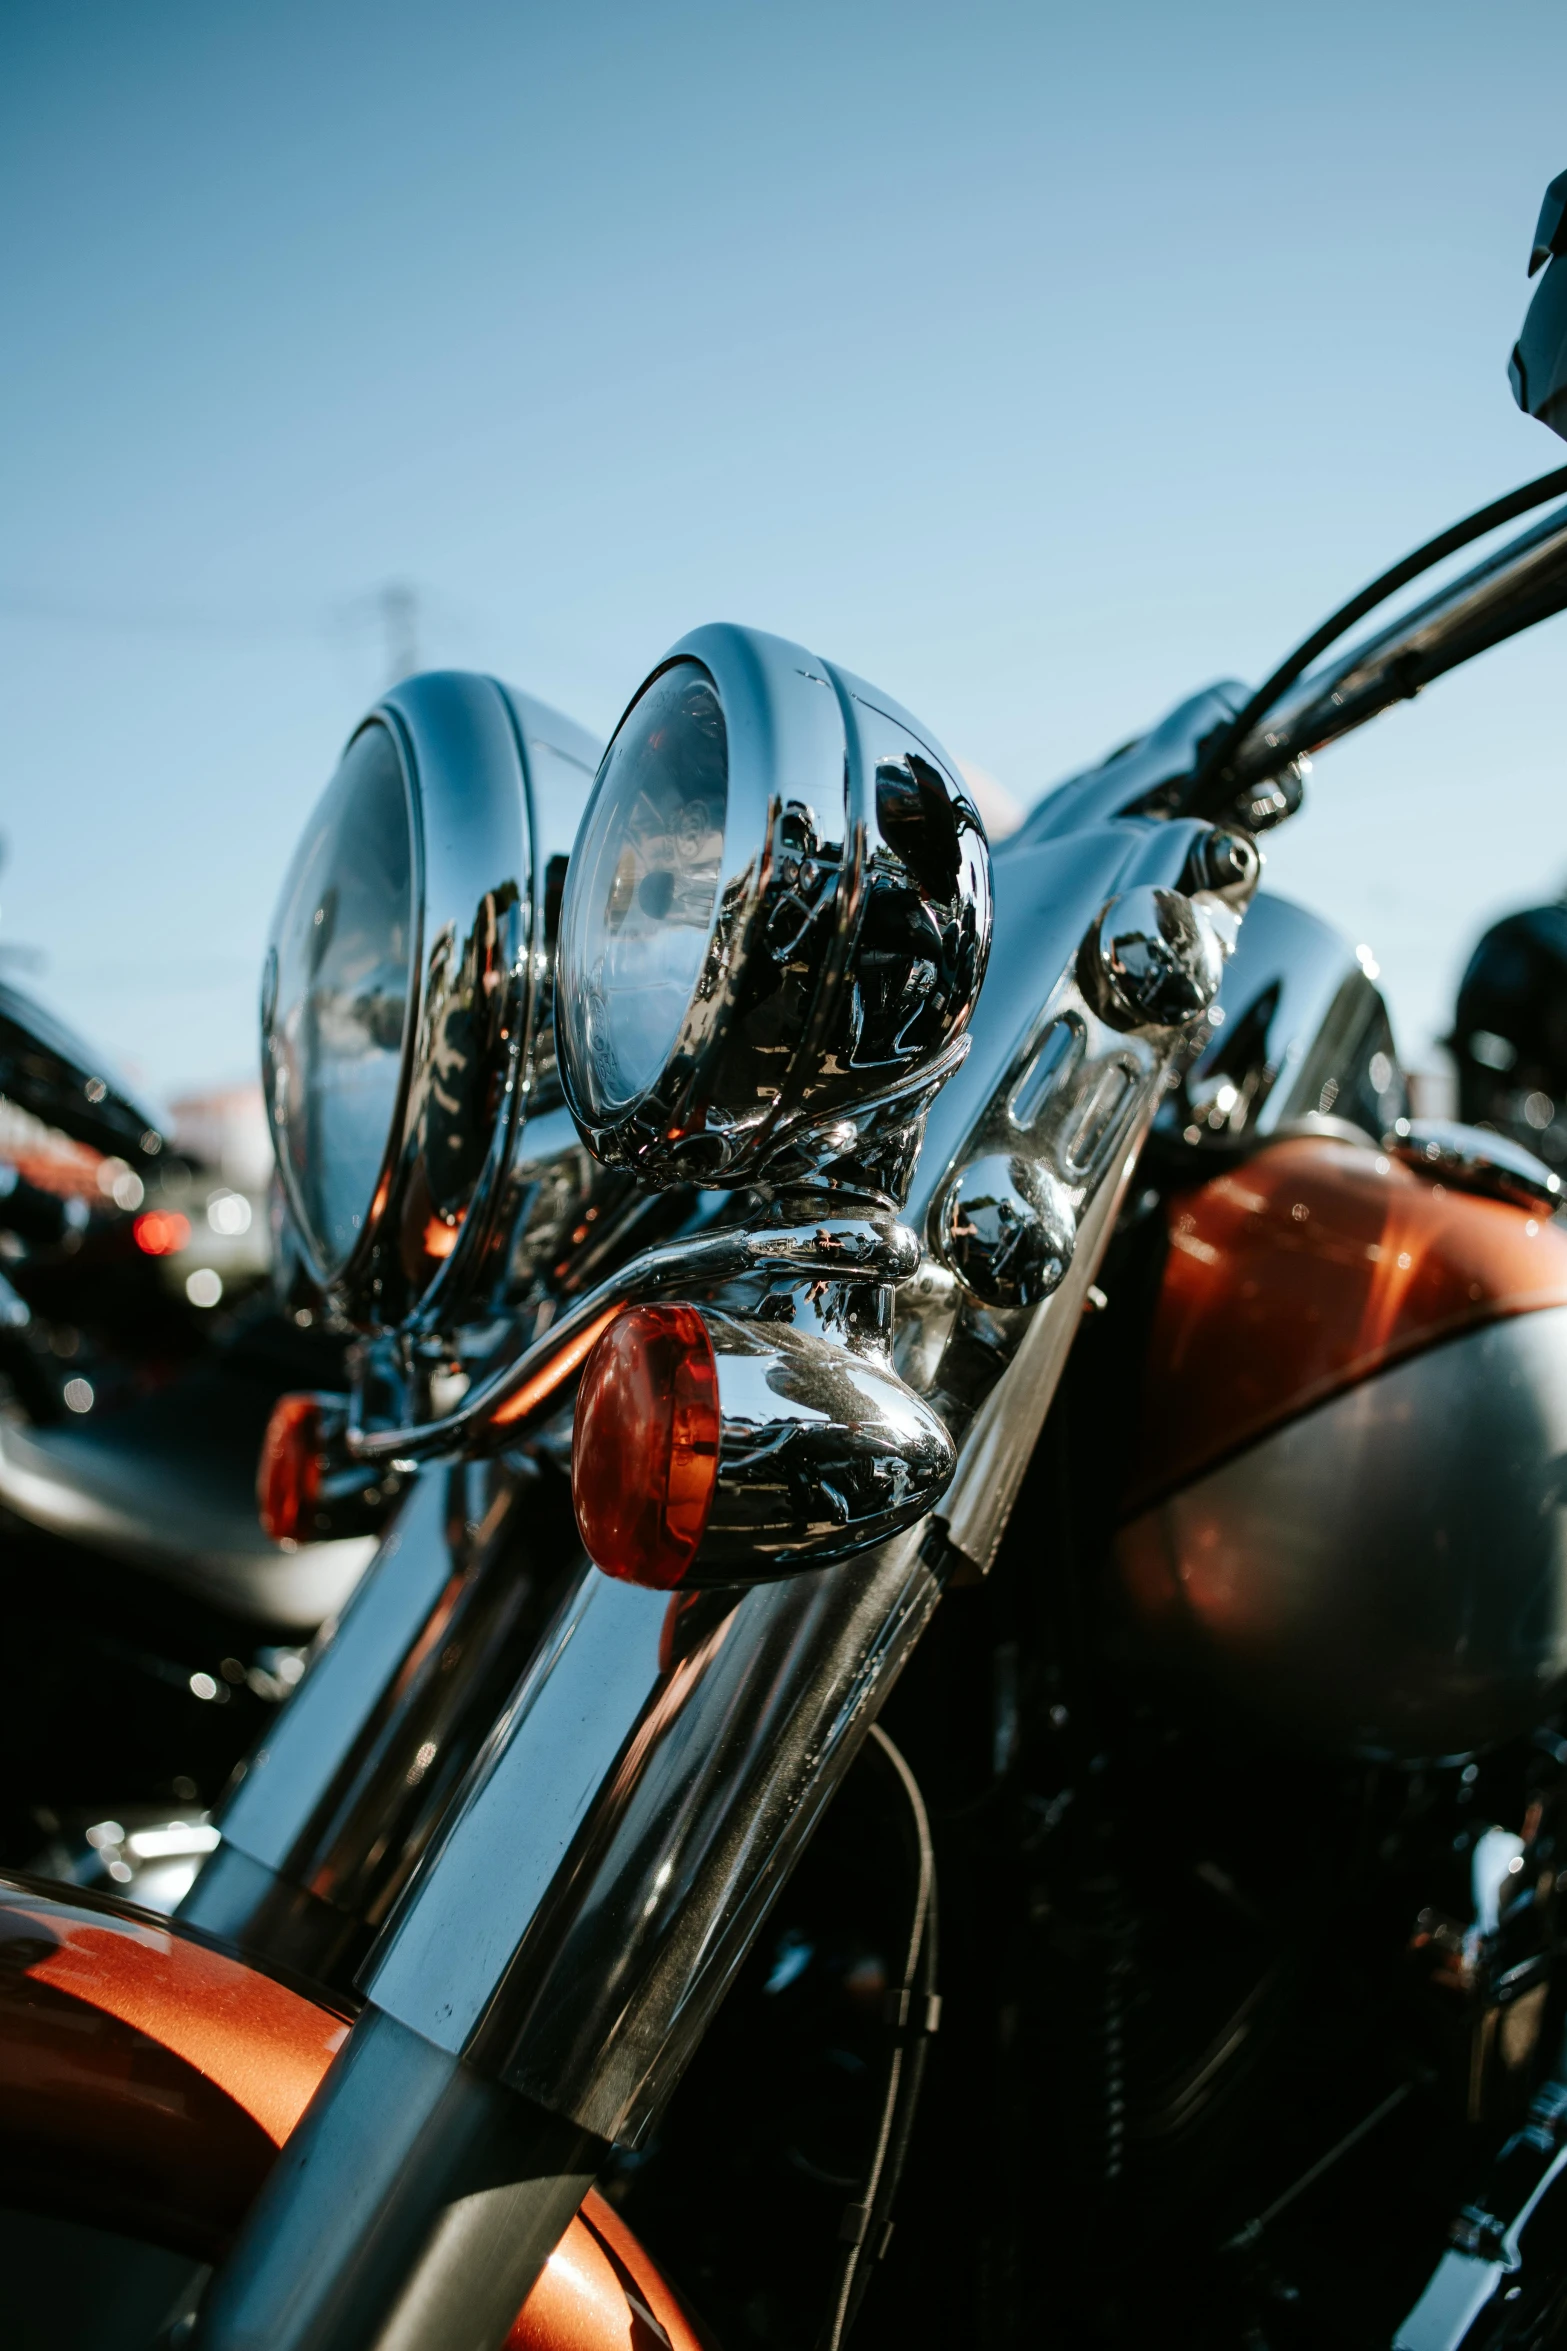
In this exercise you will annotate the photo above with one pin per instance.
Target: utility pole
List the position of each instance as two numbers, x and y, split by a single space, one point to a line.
400 621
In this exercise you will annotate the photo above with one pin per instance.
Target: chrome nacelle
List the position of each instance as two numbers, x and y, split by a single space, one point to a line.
406 1005
776 923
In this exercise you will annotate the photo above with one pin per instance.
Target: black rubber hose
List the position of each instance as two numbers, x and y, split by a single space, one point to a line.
1212 784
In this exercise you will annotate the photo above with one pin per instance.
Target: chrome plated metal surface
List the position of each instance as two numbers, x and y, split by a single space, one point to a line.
646 1792
1136 774
838 945
1008 1228
309 1745
1304 1033
1023 1068
415 2207
680 1749
335 1810
652 1778
1070 1097
1154 960
494 786
1386 1574
999 1441
1478 1160
1491 2261
823 1451
491 1414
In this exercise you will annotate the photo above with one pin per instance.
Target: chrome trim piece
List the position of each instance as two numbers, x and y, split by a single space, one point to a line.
1070 1105
1154 960
1000 1440
279 1790
1008 1228
847 943
491 1415
447 2196
1048 893
1304 1034
823 1451
334 1811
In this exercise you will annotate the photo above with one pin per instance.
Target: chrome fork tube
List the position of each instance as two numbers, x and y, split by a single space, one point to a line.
642 1797
333 1812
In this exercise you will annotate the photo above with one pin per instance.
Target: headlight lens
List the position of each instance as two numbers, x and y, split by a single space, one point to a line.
335 997
643 885
774 925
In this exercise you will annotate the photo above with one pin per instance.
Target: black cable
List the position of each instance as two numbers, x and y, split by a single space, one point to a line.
912 2012
1213 770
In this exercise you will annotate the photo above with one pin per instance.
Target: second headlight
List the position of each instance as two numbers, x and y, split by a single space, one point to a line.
775 922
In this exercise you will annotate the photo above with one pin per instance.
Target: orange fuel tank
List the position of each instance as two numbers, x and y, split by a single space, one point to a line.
1348 1506
147 2082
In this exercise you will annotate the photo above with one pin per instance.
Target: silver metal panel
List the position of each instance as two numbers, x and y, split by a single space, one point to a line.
1000 1444
1046 894
309 1743
547 1760
632 1821
1387 1573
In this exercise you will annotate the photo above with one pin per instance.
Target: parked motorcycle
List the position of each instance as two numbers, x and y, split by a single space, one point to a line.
907 1369
152 1626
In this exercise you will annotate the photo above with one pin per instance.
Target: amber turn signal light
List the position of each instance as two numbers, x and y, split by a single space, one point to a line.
288 1475
644 1445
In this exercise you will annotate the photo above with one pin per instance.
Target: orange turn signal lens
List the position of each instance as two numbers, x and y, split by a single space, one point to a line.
288 1475
644 1445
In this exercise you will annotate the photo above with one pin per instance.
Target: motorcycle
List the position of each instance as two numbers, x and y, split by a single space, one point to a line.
153 1626
906 1368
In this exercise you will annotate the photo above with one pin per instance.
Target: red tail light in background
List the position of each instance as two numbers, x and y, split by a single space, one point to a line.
288 1475
644 1448
162 1232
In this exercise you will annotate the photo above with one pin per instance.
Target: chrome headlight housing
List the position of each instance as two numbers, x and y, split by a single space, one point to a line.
775 922
405 1001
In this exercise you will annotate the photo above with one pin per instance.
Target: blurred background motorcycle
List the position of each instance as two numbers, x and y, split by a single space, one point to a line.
150 1626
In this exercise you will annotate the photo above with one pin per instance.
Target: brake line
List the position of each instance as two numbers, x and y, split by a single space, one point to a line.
1212 783
912 2012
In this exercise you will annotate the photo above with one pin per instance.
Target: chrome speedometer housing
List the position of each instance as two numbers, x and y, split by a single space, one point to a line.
775 925
406 1000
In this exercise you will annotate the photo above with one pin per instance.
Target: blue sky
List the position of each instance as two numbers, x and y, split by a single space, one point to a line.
1041 363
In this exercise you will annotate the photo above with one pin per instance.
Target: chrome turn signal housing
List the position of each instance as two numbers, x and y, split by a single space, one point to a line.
713 1449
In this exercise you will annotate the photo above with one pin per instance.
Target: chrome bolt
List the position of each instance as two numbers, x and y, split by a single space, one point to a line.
1007 1230
1153 960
